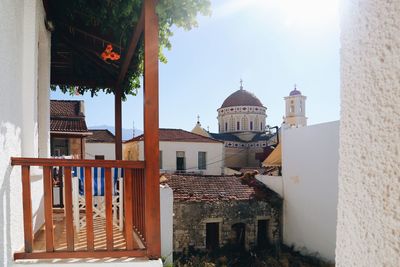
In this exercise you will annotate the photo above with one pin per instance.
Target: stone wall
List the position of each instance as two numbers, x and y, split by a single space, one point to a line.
190 220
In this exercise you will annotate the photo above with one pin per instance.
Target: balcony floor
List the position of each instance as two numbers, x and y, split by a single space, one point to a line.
60 242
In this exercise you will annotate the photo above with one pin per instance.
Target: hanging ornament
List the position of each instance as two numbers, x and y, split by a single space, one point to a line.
108 54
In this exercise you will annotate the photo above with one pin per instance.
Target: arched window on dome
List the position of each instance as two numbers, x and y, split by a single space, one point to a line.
231 124
226 126
245 123
251 125
261 126
257 123
238 126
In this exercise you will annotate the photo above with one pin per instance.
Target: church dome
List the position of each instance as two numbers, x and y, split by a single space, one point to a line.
241 98
294 92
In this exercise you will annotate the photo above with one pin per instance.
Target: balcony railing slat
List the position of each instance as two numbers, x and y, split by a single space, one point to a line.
109 216
128 209
69 224
89 209
27 206
48 208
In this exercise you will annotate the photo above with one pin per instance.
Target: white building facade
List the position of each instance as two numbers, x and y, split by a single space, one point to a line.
24 114
309 187
183 152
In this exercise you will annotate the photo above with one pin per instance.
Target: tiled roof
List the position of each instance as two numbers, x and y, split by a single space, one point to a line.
179 135
100 136
65 108
226 137
68 125
208 188
66 117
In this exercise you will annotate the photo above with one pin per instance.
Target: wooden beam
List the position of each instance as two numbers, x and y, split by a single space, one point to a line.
77 162
118 122
98 254
151 131
137 32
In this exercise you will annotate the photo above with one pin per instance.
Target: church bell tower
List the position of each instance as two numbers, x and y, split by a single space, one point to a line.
295 109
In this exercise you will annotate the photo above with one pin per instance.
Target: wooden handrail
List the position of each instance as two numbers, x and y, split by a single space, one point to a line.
49 162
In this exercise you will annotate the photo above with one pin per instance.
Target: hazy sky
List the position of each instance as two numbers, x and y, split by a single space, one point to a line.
270 44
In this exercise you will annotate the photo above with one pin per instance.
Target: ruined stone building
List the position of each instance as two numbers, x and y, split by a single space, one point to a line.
213 211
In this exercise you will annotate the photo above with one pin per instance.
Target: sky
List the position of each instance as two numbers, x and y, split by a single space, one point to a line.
269 44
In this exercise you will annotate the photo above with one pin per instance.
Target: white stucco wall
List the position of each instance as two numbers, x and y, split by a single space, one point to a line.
23 85
214 156
368 229
106 149
310 186
166 217
275 183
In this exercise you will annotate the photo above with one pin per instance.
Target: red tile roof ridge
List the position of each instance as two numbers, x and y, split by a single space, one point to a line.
177 135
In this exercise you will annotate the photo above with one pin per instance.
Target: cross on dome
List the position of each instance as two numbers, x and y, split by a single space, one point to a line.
241 84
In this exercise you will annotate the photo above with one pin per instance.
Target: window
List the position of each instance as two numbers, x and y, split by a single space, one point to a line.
160 159
180 160
238 126
261 126
99 157
251 126
226 126
202 162
291 109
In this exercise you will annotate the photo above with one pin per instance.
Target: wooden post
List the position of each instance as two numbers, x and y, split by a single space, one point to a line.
151 143
27 208
118 123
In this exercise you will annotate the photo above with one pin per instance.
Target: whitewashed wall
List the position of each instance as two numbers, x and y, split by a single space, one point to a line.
166 217
106 149
24 86
310 187
214 156
368 230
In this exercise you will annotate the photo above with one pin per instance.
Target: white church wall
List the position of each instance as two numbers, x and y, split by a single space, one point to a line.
310 187
369 166
21 75
105 149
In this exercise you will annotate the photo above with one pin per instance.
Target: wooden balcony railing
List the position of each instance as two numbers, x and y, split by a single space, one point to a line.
134 216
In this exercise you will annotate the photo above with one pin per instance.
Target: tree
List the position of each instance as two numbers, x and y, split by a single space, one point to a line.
114 20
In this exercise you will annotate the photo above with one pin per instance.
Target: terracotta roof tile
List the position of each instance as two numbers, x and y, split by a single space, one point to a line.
208 188
66 108
67 117
100 136
68 125
179 135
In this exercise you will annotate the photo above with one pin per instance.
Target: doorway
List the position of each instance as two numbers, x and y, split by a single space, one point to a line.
212 236
239 230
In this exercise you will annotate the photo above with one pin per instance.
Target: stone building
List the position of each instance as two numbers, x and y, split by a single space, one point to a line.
213 211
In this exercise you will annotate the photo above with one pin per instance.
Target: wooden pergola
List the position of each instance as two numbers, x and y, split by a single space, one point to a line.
76 61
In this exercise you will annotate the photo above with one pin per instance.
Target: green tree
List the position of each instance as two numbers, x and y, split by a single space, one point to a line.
116 19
